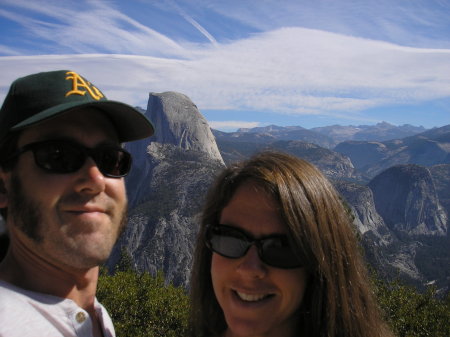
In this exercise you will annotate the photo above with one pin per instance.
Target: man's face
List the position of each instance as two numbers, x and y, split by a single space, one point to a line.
71 220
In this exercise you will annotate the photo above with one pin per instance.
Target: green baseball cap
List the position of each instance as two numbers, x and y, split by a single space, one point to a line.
38 97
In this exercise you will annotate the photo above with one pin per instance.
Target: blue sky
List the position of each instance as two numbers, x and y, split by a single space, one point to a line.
246 63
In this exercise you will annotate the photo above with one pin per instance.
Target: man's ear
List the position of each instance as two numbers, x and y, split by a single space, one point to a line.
4 179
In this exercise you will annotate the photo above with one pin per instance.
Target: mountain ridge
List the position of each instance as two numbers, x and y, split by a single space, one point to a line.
174 169
327 136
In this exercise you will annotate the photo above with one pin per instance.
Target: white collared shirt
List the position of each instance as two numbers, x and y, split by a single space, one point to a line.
27 313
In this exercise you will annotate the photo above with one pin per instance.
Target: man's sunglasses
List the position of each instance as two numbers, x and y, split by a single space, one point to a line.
62 156
233 243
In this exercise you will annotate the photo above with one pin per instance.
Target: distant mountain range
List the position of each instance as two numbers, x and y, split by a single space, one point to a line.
397 189
327 136
379 132
428 148
367 155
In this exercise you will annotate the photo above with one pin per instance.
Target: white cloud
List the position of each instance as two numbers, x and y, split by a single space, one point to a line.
409 23
193 22
288 71
8 50
232 125
93 27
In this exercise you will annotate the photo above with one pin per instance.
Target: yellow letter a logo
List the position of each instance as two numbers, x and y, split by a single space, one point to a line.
78 83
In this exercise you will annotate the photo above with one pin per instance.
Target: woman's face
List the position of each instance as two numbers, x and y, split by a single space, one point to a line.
257 299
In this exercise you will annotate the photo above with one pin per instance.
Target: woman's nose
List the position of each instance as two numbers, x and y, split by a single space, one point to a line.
251 264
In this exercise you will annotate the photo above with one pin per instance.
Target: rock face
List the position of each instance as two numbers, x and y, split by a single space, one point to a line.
379 132
441 179
427 149
391 257
178 122
386 131
406 198
273 133
333 164
420 151
170 176
363 154
375 237
367 220
401 222
327 136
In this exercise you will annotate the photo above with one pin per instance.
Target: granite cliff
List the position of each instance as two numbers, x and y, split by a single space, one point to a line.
405 196
398 215
333 164
428 148
178 122
171 173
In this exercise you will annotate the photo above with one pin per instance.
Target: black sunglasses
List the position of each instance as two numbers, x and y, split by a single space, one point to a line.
233 243
63 156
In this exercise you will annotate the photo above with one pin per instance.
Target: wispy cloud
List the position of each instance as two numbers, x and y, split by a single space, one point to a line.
232 125
422 23
8 50
95 28
193 22
290 71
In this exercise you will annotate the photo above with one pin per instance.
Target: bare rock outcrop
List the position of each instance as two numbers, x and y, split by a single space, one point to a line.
178 122
406 198
171 174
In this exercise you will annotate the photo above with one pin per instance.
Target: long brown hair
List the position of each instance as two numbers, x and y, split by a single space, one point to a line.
338 300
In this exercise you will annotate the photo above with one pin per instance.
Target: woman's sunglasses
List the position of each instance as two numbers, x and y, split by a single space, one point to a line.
233 243
62 156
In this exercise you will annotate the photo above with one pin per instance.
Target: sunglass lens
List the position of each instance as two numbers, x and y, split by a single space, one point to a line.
228 242
67 157
59 157
233 243
278 253
113 162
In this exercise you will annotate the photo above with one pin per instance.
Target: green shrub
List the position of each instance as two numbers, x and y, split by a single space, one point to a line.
142 305
411 313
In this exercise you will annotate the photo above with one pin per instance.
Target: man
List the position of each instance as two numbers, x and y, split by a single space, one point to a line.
63 197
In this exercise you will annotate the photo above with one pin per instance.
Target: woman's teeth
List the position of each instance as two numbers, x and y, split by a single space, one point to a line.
251 298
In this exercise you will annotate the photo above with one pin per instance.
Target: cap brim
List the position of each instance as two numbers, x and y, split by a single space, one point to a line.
129 122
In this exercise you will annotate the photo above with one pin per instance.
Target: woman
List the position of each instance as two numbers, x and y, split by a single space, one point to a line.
277 256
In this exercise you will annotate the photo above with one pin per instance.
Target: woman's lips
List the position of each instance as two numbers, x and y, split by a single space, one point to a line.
252 297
